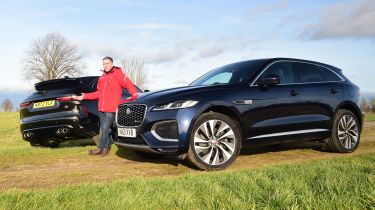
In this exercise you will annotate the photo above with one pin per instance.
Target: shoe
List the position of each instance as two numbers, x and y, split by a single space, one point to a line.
95 151
104 153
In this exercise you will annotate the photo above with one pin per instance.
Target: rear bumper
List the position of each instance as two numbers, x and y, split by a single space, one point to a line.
60 129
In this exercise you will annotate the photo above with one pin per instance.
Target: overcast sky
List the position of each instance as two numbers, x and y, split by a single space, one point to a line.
180 40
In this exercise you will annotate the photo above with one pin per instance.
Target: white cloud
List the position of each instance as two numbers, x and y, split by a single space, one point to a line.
276 6
209 51
154 26
162 56
354 19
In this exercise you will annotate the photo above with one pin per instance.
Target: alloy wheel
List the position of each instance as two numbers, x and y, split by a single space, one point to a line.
214 142
348 132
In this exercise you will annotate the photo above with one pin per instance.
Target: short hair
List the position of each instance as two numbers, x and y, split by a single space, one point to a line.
108 58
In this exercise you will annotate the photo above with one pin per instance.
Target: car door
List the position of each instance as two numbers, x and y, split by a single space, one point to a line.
275 109
321 92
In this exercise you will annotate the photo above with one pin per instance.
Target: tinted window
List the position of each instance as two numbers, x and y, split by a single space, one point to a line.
329 75
312 73
284 70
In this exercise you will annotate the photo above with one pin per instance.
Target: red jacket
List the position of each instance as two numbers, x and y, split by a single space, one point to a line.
109 90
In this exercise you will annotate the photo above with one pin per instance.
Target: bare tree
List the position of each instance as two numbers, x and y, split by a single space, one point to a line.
51 57
7 105
135 69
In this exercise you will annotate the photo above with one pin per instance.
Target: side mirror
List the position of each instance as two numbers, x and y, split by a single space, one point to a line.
269 80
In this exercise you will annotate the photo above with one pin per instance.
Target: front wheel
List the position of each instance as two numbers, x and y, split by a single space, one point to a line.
345 134
215 142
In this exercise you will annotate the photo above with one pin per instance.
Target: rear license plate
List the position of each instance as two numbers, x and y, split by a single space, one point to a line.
127 132
43 104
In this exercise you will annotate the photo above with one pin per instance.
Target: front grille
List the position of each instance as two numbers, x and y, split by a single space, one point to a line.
131 114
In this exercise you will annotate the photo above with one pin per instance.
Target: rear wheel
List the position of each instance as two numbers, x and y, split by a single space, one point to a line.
215 142
36 144
345 134
51 144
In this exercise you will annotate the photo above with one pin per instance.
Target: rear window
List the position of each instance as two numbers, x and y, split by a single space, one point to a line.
329 75
313 73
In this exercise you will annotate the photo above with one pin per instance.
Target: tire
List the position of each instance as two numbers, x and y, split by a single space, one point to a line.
214 152
46 143
33 144
147 155
345 132
51 144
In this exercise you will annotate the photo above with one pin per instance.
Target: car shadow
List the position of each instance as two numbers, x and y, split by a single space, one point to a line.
77 143
248 150
149 158
283 146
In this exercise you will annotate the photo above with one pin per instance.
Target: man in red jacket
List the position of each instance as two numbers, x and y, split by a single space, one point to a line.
109 90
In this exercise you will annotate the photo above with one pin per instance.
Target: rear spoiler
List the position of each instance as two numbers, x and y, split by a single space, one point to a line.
39 84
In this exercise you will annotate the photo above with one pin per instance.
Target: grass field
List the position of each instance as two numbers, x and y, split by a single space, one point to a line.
335 184
291 176
370 116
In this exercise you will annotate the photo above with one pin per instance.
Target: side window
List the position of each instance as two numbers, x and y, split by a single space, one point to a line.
312 73
329 75
283 70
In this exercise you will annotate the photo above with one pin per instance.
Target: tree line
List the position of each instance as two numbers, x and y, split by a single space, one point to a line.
53 56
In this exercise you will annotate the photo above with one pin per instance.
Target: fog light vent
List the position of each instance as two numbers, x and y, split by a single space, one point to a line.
166 130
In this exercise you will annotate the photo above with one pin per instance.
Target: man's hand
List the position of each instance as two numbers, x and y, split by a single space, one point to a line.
79 98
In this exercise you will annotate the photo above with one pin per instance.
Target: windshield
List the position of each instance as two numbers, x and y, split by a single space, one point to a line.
230 74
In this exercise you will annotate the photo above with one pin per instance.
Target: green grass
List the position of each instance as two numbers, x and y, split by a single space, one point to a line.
14 150
369 116
346 183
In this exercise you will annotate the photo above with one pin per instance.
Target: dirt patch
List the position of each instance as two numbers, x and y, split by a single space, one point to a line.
123 164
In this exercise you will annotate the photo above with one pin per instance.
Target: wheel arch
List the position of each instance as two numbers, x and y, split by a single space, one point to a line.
348 105
222 109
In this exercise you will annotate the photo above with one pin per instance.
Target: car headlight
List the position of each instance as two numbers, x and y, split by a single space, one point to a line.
175 105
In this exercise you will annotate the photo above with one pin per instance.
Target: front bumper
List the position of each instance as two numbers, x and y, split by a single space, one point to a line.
149 141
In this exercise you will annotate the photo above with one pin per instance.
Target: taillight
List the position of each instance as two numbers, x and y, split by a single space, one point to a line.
69 98
25 104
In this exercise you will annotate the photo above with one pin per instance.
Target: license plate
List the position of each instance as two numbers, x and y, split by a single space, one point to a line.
127 132
43 104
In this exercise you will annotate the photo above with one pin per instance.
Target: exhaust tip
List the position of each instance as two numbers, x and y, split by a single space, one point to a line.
27 135
62 131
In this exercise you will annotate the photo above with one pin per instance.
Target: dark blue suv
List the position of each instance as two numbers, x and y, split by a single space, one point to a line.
278 99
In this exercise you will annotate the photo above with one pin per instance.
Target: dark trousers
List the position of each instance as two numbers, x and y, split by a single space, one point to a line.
106 122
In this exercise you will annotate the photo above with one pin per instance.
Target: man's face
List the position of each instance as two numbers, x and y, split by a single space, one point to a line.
107 64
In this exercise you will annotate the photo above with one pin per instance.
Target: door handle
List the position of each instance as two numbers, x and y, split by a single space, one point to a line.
334 91
293 92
